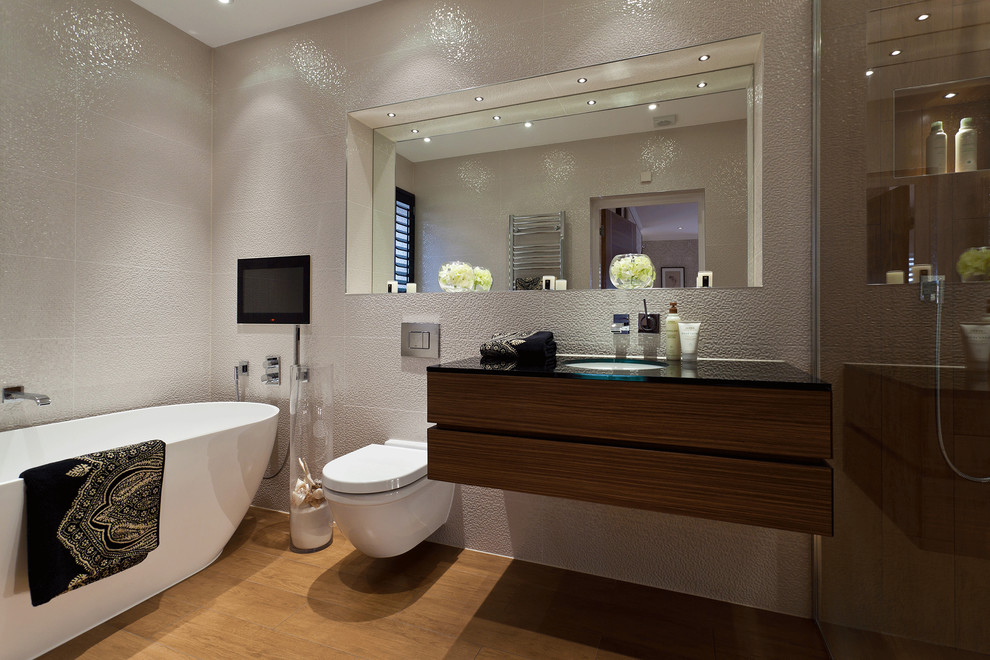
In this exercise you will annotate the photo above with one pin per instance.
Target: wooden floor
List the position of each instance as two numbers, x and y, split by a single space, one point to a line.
261 600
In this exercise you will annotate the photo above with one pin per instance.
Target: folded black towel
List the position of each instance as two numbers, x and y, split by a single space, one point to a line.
529 283
91 516
521 347
496 364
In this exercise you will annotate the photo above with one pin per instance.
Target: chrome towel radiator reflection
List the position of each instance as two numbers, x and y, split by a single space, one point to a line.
536 248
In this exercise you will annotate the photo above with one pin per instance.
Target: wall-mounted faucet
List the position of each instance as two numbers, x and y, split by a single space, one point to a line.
17 393
620 324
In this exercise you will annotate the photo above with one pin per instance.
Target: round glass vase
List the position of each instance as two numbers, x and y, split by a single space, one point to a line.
632 271
456 276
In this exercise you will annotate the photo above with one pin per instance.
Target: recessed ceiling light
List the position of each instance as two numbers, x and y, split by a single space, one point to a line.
895 53
950 95
582 80
680 227
702 84
592 102
923 17
497 117
528 124
870 72
653 106
479 98
426 139
415 130
704 58
224 2
390 114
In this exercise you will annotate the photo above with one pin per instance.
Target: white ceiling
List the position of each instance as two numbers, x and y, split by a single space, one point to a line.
215 24
667 222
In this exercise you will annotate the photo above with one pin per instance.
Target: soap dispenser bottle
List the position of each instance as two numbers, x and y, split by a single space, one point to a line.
935 150
673 333
966 146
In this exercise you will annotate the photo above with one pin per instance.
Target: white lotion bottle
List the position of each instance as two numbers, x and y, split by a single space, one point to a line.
673 333
966 146
935 150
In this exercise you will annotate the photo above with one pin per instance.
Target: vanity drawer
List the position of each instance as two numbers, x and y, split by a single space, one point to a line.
795 497
769 421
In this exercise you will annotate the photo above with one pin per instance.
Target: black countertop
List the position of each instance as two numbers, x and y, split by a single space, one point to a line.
746 373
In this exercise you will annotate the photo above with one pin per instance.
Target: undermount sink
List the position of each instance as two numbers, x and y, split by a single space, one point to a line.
615 364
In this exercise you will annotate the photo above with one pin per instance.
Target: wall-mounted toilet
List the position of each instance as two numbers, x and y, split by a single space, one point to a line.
381 499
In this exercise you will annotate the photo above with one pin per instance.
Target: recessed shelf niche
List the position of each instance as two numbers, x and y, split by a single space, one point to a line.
915 108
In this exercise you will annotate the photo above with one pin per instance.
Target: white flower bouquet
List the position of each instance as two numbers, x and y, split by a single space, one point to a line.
632 271
482 279
974 264
456 276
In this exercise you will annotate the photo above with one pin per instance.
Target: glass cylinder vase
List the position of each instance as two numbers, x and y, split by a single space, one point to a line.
310 447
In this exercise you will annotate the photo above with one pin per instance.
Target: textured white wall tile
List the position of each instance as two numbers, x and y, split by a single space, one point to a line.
41 366
275 111
279 175
314 229
37 215
388 27
123 300
501 522
376 376
31 56
35 297
368 426
738 560
38 128
135 231
126 159
120 373
170 107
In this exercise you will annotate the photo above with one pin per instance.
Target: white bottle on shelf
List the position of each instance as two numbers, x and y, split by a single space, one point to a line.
966 146
935 150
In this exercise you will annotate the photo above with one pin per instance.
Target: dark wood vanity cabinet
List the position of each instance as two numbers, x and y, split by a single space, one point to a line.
747 453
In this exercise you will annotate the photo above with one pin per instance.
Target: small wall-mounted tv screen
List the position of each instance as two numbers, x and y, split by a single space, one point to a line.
273 290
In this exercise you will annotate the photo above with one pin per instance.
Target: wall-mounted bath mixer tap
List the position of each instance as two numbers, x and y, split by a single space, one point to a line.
17 393
273 370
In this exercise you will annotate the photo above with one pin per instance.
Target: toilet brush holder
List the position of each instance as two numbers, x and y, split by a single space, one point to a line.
310 447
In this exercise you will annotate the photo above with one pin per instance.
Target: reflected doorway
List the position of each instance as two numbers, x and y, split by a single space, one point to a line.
668 227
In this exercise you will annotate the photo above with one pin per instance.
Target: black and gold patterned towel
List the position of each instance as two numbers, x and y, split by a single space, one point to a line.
520 347
92 516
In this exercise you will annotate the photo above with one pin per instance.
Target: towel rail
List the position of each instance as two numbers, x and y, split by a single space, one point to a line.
536 246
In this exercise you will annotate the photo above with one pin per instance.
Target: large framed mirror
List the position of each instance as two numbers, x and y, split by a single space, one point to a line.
667 143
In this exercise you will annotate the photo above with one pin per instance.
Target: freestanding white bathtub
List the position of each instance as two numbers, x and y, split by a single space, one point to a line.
215 456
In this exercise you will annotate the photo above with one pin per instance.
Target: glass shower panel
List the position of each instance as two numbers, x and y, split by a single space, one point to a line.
907 573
